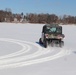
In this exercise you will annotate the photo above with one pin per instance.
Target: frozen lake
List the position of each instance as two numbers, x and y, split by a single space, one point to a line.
20 53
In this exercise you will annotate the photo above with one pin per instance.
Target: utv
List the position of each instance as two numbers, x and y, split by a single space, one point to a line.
52 34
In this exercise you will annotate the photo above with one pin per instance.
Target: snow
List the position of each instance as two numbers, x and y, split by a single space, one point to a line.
21 54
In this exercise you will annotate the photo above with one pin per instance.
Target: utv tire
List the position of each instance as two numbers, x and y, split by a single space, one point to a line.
45 43
40 41
52 44
61 44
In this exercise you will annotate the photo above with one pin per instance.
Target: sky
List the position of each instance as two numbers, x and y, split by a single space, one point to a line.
59 7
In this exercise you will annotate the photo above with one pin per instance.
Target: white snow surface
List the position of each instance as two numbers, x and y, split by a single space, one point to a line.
21 53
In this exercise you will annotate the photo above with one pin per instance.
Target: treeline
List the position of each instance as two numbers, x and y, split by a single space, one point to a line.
51 18
5 14
8 16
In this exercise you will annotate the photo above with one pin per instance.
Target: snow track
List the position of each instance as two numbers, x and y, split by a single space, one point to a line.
21 58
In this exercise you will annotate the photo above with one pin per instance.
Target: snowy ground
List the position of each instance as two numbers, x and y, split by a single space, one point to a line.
20 53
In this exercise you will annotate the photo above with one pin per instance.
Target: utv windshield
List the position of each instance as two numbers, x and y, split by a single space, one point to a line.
54 30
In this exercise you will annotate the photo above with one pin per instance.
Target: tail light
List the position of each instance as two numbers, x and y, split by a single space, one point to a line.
46 35
61 36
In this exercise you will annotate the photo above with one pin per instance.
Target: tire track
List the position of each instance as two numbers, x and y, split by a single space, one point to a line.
25 48
25 60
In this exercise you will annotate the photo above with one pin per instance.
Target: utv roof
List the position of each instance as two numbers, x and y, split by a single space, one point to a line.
52 25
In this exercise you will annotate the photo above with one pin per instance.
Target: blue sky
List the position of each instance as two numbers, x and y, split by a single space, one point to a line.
59 7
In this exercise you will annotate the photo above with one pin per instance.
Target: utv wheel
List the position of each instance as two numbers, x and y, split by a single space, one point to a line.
45 43
40 41
61 44
52 43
